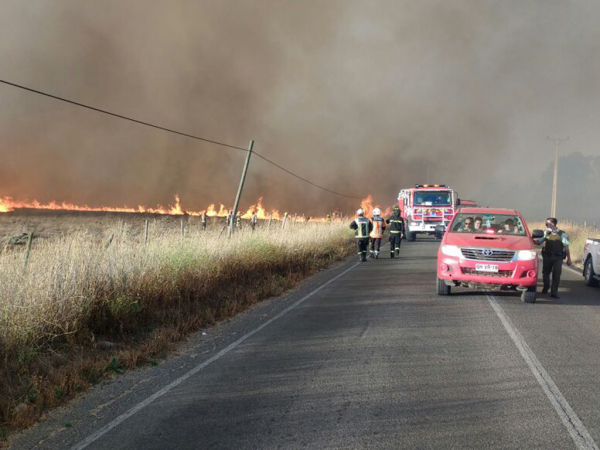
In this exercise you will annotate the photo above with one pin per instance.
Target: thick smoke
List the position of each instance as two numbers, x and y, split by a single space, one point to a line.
361 97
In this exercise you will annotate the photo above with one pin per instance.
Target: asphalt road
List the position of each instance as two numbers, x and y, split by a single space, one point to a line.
374 359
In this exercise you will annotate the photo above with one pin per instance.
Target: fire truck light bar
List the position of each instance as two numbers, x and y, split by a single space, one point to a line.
430 186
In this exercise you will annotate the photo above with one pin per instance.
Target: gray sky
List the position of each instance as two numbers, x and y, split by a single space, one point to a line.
361 97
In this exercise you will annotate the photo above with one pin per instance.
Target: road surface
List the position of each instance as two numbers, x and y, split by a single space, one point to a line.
362 356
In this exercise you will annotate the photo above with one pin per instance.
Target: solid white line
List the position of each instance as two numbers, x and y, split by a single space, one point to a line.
123 417
569 418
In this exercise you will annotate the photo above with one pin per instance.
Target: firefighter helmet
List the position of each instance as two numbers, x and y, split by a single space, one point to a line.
376 212
360 212
396 208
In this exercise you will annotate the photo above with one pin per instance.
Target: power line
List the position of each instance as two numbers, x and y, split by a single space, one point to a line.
303 179
120 116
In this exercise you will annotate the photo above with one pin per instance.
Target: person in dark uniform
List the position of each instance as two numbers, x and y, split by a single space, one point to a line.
362 227
396 223
555 250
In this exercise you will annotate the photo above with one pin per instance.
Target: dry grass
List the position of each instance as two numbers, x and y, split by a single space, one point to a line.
76 294
577 235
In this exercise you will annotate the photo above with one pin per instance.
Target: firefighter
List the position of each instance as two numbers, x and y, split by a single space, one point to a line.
377 233
396 223
203 220
362 226
555 249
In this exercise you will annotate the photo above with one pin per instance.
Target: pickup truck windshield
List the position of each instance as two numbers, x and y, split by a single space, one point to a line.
433 198
504 224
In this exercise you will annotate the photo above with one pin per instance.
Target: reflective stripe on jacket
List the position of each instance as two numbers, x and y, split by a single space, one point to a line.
378 228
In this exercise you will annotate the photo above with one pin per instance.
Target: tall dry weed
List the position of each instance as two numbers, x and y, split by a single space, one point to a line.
78 290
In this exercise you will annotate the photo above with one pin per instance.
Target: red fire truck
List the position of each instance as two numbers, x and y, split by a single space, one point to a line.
426 206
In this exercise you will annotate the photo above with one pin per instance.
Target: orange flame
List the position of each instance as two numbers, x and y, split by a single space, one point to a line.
8 204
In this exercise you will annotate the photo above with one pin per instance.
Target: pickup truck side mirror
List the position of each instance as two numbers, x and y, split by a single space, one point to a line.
537 234
458 202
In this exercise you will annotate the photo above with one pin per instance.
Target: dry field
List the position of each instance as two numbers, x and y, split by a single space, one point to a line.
87 306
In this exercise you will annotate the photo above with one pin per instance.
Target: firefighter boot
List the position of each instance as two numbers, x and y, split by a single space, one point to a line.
397 253
372 254
364 257
376 254
392 254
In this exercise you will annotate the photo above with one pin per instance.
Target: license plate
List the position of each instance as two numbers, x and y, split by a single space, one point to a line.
486 268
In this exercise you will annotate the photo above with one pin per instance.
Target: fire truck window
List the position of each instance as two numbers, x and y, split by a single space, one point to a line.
433 199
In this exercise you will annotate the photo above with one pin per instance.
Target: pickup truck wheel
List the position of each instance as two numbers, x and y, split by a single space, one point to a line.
443 288
411 236
529 295
588 273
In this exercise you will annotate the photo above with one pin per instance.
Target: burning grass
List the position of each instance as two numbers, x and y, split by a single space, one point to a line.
577 233
82 310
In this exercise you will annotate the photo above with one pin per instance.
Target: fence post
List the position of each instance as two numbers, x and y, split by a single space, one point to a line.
146 228
285 216
270 220
182 229
110 239
28 251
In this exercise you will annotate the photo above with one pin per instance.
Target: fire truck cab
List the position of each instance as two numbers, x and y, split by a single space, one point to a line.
425 207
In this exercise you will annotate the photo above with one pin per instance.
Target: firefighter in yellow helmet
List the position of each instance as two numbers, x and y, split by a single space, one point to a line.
362 227
396 223
377 233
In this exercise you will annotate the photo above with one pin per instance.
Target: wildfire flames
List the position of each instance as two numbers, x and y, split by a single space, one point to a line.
8 204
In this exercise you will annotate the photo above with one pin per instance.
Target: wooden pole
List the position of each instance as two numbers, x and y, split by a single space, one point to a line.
240 188
182 229
146 229
285 216
28 251
110 239
270 221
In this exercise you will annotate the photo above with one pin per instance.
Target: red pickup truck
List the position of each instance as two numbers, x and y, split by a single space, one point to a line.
490 249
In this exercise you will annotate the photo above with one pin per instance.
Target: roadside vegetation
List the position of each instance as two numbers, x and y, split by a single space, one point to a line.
577 233
86 308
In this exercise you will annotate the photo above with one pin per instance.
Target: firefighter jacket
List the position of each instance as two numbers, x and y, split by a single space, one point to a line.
396 223
378 228
362 226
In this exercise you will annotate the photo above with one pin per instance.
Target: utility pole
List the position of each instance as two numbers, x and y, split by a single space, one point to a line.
557 142
240 188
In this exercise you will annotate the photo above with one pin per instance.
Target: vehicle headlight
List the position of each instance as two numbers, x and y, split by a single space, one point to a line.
451 250
525 255
414 224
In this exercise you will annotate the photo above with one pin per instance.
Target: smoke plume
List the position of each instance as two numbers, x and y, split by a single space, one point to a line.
361 97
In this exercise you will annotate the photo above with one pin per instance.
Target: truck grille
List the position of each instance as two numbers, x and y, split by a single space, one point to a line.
500 274
487 254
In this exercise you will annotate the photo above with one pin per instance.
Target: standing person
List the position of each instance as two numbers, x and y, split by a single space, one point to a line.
254 220
203 220
362 226
377 233
556 248
396 223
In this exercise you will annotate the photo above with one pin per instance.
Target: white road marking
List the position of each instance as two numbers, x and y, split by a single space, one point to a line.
571 421
126 415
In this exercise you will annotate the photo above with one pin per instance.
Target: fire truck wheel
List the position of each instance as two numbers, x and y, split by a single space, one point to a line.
443 288
411 237
528 296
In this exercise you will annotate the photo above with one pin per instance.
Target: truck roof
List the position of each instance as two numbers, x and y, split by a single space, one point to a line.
480 210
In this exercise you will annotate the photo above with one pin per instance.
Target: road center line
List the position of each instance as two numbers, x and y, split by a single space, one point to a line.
571 421
123 417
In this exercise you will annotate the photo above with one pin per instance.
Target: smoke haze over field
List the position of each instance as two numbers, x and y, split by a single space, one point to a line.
361 97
